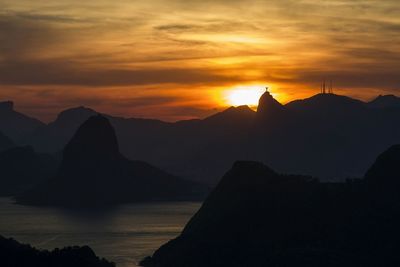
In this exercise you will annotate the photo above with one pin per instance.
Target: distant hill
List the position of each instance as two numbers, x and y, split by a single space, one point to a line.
15 125
21 168
257 217
55 135
385 101
326 102
181 148
5 142
94 173
327 135
15 254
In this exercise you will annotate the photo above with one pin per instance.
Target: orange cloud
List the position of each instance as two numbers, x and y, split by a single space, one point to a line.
176 59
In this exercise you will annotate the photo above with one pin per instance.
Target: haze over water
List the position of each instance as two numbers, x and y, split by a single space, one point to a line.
124 235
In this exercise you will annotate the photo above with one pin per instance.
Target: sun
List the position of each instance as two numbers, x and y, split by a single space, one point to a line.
244 95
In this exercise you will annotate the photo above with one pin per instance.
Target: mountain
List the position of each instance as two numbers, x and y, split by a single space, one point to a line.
16 125
21 168
258 217
234 115
269 108
326 102
327 135
54 136
13 253
182 148
383 177
94 173
5 142
385 101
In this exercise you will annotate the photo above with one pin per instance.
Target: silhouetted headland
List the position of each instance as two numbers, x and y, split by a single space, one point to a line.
258 217
94 173
15 254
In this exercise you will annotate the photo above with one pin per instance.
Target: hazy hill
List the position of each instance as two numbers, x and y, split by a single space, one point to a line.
15 125
385 101
22 168
181 148
54 136
326 135
15 254
94 173
257 217
5 142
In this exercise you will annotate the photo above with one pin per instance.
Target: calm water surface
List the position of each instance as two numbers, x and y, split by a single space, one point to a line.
124 235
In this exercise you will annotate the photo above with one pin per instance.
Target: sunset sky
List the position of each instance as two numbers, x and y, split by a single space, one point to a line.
181 59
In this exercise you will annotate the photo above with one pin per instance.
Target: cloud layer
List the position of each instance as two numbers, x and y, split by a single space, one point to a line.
152 51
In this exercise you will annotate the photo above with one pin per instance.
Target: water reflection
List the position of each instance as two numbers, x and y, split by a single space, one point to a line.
123 234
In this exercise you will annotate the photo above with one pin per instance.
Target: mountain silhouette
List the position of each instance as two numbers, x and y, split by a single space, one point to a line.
326 102
258 217
383 176
21 168
269 108
15 125
385 101
182 148
94 173
5 142
327 135
55 135
13 253
233 114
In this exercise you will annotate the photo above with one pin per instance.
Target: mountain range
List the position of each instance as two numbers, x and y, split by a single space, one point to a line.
329 136
258 217
93 172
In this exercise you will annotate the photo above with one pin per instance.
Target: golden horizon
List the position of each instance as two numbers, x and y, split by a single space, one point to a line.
187 59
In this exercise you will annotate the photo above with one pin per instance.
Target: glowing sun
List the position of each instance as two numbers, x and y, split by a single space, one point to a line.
244 95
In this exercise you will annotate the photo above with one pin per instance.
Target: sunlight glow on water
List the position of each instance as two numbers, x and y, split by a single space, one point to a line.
124 235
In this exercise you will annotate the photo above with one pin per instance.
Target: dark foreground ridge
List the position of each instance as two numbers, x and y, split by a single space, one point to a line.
94 173
14 254
257 217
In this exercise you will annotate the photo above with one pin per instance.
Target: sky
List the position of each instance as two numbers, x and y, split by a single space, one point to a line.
182 59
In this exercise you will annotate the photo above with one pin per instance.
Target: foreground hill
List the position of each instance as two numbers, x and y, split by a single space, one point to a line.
94 173
21 168
257 217
14 254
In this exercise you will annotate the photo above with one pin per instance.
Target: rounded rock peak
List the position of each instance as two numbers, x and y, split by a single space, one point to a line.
95 138
386 169
268 105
